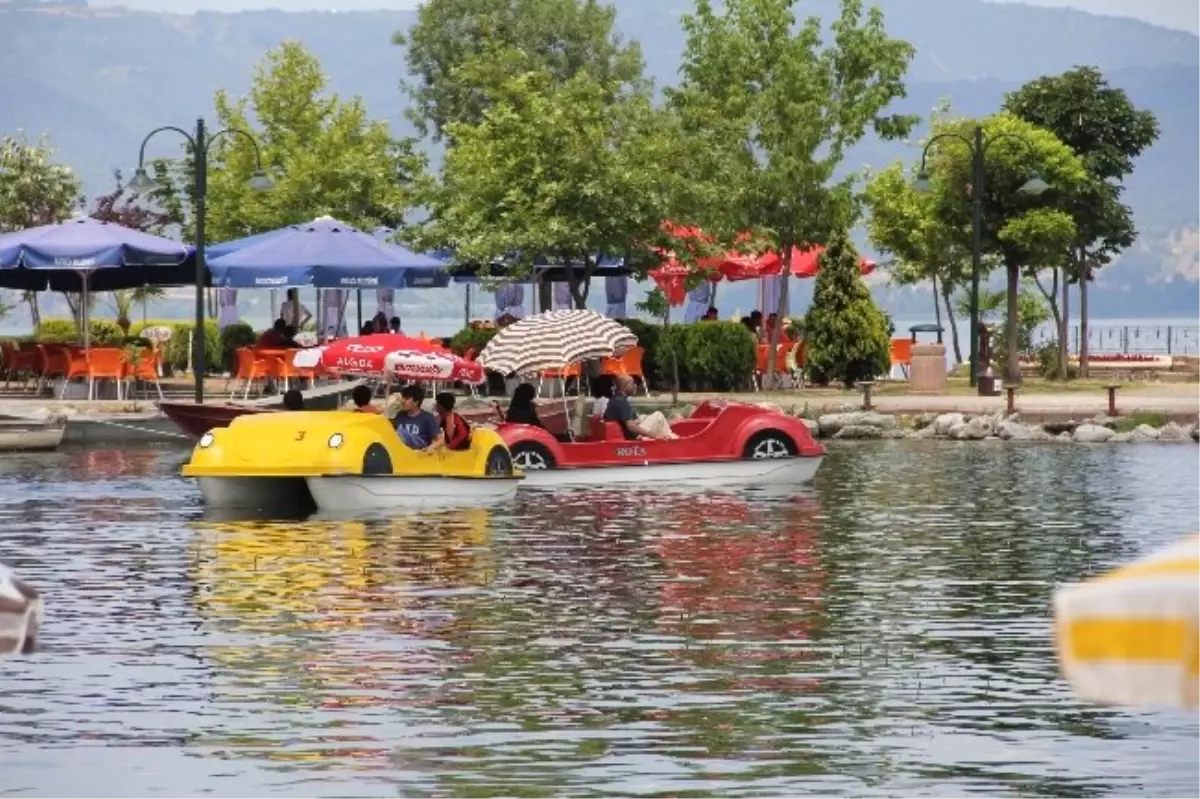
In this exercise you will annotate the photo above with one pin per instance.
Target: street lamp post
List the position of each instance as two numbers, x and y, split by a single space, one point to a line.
978 146
200 140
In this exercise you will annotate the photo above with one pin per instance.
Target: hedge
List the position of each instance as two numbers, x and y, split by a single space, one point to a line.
712 356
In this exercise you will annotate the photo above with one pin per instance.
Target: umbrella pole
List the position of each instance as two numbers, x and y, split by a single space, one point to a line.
83 312
358 303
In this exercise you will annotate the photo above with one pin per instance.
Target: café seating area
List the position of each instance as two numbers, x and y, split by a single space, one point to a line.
41 365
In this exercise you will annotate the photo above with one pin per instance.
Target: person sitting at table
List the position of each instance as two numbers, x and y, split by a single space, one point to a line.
289 338
521 410
620 410
380 321
362 397
367 329
418 429
272 339
394 325
293 400
454 428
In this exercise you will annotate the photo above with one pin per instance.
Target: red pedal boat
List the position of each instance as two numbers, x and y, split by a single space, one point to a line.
718 444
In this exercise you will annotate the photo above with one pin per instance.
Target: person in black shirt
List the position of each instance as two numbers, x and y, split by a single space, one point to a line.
620 410
522 410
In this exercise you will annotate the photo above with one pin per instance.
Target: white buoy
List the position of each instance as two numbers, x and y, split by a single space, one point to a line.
20 614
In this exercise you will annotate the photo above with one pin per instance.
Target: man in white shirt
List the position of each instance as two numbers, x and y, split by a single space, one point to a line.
293 311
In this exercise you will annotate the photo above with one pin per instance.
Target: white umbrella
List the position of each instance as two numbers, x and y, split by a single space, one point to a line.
554 340
1130 636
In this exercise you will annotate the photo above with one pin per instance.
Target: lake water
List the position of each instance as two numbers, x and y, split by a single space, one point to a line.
882 633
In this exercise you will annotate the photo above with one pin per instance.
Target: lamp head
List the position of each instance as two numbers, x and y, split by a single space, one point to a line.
260 181
141 182
1034 186
922 184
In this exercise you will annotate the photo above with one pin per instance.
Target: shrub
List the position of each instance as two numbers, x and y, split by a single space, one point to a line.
236 335
846 335
102 332
719 355
175 355
471 338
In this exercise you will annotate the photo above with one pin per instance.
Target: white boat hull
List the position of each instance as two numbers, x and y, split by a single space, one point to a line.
365 493
255 492
34 437
717 474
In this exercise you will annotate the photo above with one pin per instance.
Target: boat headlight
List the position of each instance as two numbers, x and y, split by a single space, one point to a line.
336 440
206 440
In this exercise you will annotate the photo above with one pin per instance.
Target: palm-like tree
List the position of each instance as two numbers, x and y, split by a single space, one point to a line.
123 303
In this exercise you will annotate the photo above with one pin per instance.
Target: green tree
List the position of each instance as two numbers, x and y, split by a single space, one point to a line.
845 335
1101 125
770 111
564 170
561 37
324 155
34 190
1033 311
903 223
1023 233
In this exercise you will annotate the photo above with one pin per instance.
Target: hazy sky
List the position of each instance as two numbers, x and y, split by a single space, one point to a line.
1181 14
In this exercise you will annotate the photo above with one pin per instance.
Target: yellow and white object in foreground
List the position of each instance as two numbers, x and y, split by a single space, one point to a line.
1129 637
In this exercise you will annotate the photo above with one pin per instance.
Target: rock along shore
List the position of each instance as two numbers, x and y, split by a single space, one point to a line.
857 425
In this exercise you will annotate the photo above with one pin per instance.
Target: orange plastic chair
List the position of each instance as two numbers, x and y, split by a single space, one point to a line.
569 371
145 369
24 363
902 354
250 368
287 372
104 363
77 368
52 363
760 360
630 363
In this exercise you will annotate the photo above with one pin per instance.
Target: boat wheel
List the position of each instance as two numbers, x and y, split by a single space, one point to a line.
531 456
769 444
499 463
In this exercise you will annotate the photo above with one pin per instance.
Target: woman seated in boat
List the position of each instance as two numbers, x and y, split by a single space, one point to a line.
522 410
620 410
455 430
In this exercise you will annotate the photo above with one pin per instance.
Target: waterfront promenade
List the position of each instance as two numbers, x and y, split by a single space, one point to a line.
1035 402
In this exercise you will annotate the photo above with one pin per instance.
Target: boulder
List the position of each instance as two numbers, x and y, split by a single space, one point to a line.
831 423
923 433
923 420
858 432
813 427
1104 420
1172 432
1064 437
945 422
976 429
1195 432
1015 431
1092 434
1142 433
1058 428
895 433
881 420
1122 438
1015 418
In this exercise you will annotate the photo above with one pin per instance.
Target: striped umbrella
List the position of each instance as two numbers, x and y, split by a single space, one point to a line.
554 340
1130 636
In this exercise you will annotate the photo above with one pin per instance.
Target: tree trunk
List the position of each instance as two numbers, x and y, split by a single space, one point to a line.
1083 323
1055 313
947 292
1064 345
35 313
1012 369
780 311
937 304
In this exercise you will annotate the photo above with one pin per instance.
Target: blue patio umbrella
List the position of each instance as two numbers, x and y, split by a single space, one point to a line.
324 253
84 254
428 271
215 251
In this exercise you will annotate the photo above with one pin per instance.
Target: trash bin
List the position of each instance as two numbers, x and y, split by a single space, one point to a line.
927 375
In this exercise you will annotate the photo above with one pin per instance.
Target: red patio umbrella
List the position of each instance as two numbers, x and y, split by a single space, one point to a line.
365 354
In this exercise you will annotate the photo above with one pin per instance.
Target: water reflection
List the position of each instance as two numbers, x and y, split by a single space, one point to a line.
884 632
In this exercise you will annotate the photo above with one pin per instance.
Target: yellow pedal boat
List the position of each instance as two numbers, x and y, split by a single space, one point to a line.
343 461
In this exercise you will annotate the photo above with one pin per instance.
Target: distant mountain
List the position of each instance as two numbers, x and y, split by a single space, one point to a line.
98 79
